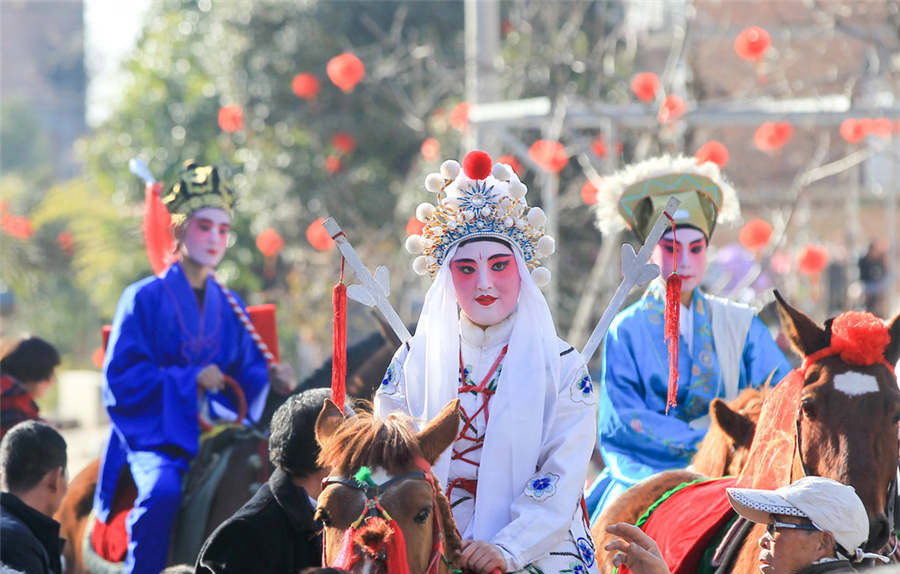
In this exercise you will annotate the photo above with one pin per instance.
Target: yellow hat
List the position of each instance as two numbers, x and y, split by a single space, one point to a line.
637 195
198 186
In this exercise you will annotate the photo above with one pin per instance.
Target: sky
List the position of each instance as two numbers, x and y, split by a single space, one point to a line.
111 31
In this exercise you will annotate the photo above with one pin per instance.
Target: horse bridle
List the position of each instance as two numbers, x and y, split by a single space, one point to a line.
374 509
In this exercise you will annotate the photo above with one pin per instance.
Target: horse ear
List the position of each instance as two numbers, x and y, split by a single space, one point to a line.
892 352
330 418
440 432
805 335
734 424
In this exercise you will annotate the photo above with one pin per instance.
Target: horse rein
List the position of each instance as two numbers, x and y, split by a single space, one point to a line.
374 509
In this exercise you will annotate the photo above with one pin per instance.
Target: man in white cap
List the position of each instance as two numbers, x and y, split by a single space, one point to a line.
815 525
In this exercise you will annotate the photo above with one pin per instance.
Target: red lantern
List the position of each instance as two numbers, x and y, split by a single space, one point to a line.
853 130
882 127
18 227
755 235
645 85
672 108
598 146
512 162
332 164
269 242
459 116
812 260
713 151
771 136
345 71
343 142
752 43
589 193
318 237
66 242
414 226
305 86
430 149
550 155
231 118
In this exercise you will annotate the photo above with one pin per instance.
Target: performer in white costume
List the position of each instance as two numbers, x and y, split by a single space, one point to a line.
515 473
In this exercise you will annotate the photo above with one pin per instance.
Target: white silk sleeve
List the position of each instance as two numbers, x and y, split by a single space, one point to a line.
391 394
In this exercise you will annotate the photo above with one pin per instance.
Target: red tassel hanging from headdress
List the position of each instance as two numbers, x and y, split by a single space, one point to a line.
339 342
672 315
158 237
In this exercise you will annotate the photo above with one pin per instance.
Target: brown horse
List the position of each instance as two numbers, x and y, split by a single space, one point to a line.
844 434
381 498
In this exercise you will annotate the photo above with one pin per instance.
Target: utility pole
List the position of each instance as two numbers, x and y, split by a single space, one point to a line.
482 38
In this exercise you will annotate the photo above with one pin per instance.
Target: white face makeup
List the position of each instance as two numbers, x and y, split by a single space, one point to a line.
206 236
684 252
486 280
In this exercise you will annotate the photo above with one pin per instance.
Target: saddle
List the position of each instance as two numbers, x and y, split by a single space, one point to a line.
105 545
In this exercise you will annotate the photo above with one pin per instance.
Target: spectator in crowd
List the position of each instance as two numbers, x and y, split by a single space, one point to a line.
33 481
874 277
26 372
274 532
814 526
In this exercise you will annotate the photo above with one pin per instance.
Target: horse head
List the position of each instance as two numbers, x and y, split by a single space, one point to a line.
849 406
725 448
381 508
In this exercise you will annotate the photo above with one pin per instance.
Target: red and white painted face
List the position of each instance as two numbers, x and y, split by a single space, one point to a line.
206 236
486 279
689 256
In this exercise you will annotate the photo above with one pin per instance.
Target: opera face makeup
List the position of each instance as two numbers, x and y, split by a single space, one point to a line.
486 279
688 245
206 236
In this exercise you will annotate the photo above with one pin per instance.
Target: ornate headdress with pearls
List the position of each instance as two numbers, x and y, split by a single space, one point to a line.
479 199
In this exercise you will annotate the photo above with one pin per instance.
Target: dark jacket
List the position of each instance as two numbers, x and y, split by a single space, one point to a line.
273 533
30 539
832 567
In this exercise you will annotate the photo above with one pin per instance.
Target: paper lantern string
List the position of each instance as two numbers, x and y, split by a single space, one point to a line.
339 339
672 315
248 324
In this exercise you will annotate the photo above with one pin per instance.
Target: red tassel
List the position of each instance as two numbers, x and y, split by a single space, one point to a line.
339 343
158 238
673 311
397 562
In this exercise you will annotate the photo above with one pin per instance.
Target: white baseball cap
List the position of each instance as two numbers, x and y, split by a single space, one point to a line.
830 506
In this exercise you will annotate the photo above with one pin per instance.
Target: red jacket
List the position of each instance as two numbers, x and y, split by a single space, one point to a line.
16 404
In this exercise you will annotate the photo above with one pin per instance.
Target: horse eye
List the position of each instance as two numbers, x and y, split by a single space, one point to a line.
808 409
422 516
322 516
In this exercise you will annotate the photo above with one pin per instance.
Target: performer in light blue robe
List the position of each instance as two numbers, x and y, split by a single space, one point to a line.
723 346
173 336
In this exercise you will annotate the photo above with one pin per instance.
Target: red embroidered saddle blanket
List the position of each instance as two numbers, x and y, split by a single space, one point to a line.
686 520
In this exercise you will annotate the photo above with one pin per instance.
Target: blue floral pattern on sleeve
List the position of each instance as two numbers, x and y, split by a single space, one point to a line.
388 385
542 487
586 549
582 389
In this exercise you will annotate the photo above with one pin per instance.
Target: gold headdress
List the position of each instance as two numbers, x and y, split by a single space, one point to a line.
198 186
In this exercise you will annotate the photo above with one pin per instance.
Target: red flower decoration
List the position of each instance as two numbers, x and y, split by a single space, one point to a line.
231 118
755 235
332 164
512 162
430 149
713 151
645 85
459 116
477 165
853 130
752 43
859 337
343 142
771 136
269 242
550 155
318 237
812 260
345 71
414 226
305 86
672 108
598 146
589 193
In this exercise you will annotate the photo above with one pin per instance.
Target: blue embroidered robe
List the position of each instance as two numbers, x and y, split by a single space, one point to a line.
636 437
160 341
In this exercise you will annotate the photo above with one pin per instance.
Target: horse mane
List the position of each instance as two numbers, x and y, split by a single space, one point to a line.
390 444
718 454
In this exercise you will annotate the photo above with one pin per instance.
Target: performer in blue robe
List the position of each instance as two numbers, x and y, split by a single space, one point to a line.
723 346
174 336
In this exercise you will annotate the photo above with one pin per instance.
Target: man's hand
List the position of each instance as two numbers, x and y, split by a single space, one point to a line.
482 557
636 550
282 378
211 378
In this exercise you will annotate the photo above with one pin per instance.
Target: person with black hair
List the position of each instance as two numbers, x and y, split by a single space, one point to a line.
33 481
274 532
26 372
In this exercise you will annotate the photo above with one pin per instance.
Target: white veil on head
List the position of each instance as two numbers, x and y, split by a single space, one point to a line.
525 397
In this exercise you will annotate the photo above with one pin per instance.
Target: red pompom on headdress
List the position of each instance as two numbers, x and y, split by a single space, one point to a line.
859 337
477 165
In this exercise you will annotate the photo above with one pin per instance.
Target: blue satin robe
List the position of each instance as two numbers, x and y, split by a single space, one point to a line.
636 437
158 345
